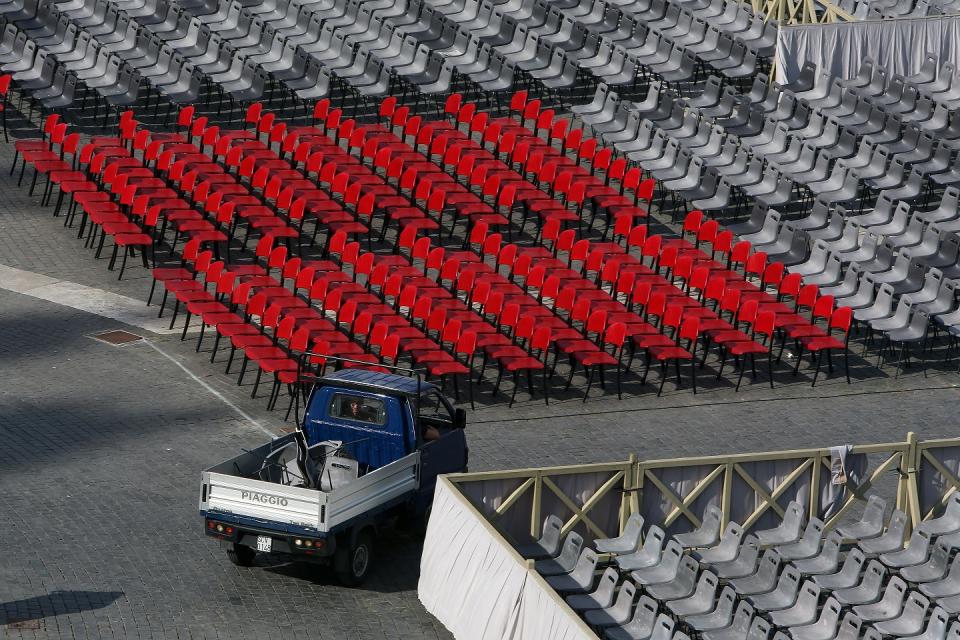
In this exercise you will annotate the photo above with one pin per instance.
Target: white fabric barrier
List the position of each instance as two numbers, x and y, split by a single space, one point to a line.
899 46
479 587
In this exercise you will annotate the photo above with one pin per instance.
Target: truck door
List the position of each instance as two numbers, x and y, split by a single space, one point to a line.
446 454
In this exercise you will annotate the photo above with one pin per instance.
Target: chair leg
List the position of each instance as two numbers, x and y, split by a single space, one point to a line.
663 377
817 372
256 383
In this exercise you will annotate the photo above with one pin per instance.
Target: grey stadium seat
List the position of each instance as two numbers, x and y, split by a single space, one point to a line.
648 555
618 613
601 597
566 561
644 624
826 561
870 524
580 579
764 580
783 596
664 571
824 627
707 534
727 548
867 590
888 607
626 542
849 574
548 546
891 540
949 522
789 530
739 625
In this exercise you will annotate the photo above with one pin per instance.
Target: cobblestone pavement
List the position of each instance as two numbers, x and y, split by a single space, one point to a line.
101 449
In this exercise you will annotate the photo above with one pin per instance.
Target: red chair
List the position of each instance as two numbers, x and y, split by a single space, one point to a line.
516 360
838 337
763 328
689 330
613 339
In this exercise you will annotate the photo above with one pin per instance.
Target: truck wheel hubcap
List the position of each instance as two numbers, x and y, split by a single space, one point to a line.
360 559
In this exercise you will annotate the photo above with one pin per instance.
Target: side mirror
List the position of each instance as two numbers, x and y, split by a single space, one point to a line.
460 418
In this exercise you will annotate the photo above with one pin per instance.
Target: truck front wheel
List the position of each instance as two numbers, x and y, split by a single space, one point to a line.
241 556
353 563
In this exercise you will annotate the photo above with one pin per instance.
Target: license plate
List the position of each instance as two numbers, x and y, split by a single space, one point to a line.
264 543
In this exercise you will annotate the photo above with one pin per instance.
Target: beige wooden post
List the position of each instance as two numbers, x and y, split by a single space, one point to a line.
535 507
628 482
727 495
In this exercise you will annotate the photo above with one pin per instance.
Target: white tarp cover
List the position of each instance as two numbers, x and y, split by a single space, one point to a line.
478 587
899 46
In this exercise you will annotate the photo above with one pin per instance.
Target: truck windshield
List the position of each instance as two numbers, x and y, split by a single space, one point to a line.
358 408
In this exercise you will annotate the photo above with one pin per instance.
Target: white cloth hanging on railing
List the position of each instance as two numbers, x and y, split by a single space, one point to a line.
899 46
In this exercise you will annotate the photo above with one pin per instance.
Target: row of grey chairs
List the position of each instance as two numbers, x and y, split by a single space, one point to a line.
38 52
670 576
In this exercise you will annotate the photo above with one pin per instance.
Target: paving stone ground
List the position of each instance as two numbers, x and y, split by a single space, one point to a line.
101 449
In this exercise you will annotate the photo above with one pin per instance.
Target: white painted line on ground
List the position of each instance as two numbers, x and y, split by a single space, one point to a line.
243 414
92 300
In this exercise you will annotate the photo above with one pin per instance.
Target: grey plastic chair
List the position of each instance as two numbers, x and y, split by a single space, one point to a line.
915 552
946 587
580 580
935 568
617 614
720 617
682 586
648 555
601 597
911 618
744 564
948 523
849 574
727 548
789 529
566 561
952 606
936 628
626 542
548 546
824 627
759 629
891 540
644 623
664 571
738 626
888 607
871 634
867 590
660 629
824 562
870 524
702 599
808 546
764 580
783 596
803 611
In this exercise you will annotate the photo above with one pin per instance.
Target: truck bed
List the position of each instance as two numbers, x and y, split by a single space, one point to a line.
228 489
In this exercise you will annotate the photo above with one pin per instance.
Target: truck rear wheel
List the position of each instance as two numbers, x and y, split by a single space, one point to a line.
241 556
352 564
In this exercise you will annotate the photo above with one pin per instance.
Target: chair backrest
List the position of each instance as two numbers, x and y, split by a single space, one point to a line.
759 629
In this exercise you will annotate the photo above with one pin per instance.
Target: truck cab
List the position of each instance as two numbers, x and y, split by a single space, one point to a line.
370 447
